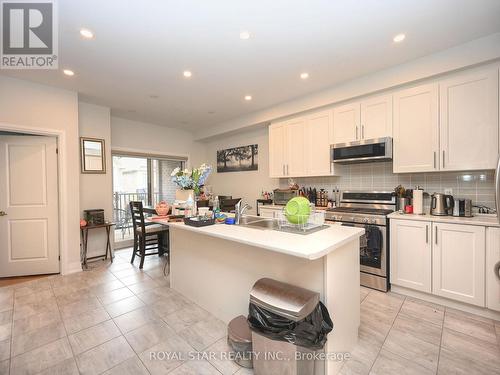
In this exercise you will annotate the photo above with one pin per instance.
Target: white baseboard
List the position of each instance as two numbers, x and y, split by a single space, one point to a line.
72 268
487 313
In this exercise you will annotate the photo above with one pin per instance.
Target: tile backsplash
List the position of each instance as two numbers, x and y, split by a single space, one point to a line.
476 185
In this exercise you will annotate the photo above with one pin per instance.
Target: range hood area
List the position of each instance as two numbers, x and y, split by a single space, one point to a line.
363 151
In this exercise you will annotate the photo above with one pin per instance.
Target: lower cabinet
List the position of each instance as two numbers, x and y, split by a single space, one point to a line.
492 268
447 260
411 254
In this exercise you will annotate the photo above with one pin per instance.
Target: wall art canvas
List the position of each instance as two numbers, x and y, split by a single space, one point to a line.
238 159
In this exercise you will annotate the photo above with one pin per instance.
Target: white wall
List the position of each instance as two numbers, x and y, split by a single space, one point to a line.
128 135
247 185
37 108
96 189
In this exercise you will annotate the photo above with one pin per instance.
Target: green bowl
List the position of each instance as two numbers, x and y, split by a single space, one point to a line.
297 210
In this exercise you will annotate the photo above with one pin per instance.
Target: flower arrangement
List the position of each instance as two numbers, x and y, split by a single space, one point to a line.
193 179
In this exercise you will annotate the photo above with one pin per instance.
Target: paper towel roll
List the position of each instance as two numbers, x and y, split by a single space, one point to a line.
418 201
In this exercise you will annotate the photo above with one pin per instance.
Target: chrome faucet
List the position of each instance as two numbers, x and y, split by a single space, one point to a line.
239 210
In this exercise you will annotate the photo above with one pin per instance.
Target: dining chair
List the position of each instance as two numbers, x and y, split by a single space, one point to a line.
147 238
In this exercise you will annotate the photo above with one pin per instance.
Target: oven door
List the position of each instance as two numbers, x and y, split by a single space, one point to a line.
370 261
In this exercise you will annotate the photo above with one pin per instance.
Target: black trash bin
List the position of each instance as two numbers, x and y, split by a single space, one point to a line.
288 324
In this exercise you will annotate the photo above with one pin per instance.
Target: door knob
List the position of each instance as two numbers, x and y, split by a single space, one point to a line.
496 269
2 213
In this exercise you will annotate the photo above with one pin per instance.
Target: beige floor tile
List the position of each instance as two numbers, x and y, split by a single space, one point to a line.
408 346
148 335
121 274
186 316
88 319
6 316
390 301
134 279
124 306
135 319
418 328
93 336
6 302
71 297
481 328
143 286
423 310
244 371
472 348
456 364
5 349
5 367
27 341
115 295
363 292
205 333
67 367
104 356
5 331
34 322
179 351
107 286
195 368
388 363
80 307
221 361
41 358
169 304
41 296
132 366
30 309
153 296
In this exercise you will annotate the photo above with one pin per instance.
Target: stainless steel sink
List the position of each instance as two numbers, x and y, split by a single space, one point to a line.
258 222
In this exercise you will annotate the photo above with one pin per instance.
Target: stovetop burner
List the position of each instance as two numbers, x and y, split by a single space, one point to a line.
361 210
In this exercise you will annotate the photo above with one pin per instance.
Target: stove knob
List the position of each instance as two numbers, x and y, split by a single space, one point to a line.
366 220
373 221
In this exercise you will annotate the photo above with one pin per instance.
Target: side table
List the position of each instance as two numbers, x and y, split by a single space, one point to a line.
85 235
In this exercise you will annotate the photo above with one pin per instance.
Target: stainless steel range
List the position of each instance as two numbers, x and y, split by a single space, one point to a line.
368 210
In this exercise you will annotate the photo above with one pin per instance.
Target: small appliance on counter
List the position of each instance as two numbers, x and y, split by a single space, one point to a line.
418 201
462 207
282 196
442 204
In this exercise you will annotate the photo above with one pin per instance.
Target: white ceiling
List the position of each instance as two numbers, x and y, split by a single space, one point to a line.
142 47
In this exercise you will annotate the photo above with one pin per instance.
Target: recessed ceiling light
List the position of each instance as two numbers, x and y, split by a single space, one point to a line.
304 75
69 72
153 96
131 111
399 38
86 33
244 35
248 97
187 74
211 112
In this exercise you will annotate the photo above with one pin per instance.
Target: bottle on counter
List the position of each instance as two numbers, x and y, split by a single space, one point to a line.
190 210
216 207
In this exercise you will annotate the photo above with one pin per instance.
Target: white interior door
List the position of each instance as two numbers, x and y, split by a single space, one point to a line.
29 235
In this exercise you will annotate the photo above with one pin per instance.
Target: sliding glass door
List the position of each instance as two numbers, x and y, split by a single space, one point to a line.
140 178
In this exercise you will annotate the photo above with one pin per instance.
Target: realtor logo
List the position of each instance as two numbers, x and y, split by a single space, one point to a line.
29 34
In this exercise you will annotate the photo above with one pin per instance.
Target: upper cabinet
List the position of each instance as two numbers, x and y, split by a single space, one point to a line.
301 146
469 120
451 125
368 119
416 129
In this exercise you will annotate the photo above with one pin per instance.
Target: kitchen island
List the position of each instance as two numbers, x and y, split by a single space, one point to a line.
216 267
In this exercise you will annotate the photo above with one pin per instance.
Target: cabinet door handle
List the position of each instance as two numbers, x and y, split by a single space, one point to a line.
443 158
283 169
426 234
362 131
287 169
434 159
436 235
356 132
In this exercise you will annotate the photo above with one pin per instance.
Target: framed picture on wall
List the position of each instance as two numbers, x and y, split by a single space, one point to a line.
93 155
238 159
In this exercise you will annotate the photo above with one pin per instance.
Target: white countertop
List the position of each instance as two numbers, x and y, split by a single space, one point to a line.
483 220
310 246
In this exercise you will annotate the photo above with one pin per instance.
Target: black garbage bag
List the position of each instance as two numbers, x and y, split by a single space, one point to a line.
309 332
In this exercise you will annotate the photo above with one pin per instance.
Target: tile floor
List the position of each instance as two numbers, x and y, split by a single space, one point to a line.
109 319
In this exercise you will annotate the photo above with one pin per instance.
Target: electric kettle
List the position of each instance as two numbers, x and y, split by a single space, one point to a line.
442 204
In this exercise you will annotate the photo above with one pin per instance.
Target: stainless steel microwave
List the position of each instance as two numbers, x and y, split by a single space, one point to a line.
368 150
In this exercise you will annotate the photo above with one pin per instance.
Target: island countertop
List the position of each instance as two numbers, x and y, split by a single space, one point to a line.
310 246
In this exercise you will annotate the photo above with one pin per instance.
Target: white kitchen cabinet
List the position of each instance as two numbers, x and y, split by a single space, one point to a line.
300 146
368 119
492 277
469 120
318 134
277 150
346 120
376 117
411 254
295 148
416 129
458 262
